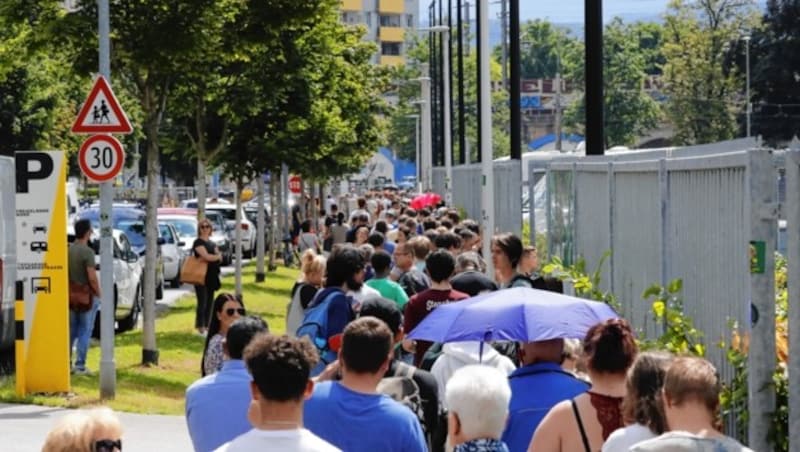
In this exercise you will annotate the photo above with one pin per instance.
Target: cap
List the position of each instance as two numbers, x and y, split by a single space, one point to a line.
383 309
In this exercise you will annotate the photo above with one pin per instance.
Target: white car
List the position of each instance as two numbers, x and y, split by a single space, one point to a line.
172 252
127 277
247 227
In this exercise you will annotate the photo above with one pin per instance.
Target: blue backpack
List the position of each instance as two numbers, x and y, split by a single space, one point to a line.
315 328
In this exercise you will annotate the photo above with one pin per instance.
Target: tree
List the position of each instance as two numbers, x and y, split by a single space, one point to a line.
548 50
776 73
703 87
629 110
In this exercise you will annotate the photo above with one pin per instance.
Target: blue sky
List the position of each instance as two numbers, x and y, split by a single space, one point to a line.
572 10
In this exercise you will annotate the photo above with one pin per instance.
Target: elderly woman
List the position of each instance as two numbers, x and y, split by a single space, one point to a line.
478 399
93 430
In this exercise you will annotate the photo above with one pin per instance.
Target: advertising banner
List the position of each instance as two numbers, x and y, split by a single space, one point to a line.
41 225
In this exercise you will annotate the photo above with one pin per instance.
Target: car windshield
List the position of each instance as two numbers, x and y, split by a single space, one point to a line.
134 229
186 228
228 214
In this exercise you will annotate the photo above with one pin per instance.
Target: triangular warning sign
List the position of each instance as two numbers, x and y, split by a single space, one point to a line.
101 113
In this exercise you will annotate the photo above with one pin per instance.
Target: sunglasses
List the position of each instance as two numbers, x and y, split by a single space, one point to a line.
205 226
107 445
231 311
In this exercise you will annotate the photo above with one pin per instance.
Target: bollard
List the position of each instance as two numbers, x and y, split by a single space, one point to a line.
19 339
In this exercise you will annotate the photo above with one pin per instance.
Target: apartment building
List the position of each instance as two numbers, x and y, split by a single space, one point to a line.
387 22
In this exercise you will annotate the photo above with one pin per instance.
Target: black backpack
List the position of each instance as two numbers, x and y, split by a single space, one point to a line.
403 389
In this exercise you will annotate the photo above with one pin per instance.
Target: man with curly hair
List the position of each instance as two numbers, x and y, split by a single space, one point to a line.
280 366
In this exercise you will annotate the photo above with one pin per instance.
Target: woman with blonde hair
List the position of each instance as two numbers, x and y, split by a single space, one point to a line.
312 273
93 430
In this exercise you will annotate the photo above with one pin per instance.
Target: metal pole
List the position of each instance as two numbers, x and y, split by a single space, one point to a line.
462 133
417 148
516 84
108 373
793 258
762 210
558 111
448 138
595 142
504 45
479 21
261 227
427 147
485 107
747 94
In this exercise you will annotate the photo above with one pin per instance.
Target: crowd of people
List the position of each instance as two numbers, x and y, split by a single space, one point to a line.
345 377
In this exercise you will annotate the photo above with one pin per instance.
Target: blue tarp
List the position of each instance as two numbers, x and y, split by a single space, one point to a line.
543 141
402 168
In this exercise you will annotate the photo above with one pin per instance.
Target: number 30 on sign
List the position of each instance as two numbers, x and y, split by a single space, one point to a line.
101 158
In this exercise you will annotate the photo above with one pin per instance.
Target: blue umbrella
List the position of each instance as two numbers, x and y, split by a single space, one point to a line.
515 314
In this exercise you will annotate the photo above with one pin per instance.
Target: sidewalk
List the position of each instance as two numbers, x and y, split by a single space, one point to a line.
23 428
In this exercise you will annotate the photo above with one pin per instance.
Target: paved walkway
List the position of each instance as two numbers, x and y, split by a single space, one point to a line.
23 428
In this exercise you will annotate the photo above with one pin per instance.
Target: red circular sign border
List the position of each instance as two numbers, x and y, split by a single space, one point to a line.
115 144
300 181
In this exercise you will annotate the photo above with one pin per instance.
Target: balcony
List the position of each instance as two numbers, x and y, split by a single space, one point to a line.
351 5
392 34
392 60
392 6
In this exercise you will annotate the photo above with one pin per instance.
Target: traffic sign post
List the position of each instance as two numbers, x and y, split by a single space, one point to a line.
101 158
295 184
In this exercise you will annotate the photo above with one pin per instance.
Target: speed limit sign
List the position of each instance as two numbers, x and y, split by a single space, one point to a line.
101 158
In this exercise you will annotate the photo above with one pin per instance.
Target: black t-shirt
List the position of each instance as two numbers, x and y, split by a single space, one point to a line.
307 293
428 392
212 272
472 283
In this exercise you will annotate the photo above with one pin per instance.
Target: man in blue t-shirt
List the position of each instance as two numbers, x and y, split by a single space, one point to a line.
350 414
536 387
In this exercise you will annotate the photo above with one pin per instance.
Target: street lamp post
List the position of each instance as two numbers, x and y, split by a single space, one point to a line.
749 106
448 142
416 144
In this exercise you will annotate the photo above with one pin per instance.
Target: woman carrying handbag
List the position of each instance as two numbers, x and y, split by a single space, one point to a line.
207 251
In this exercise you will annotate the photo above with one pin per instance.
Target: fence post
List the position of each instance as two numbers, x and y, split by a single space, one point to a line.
612 194
762 209
19 339
531 207
793 255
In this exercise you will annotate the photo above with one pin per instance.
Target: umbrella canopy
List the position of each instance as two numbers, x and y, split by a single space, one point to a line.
515 314
425 200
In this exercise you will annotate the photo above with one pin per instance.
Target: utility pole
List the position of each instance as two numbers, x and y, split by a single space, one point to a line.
504 46
427 147
558 111
595 123
485 107
749 107
108 372
514 90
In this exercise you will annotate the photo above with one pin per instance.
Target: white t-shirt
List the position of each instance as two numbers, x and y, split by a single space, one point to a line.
623 438
689 442
296 440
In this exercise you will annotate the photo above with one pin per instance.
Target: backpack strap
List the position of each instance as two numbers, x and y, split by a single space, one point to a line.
580 426
404 370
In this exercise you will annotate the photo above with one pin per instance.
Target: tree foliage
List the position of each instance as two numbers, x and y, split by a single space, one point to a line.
703 86
630 51
775 59
547 49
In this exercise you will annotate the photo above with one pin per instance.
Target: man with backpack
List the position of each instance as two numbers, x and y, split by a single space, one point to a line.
331 309
351 414
415 388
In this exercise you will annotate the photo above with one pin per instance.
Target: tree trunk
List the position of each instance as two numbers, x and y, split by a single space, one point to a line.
201 184
273 226
149 350
260 228
238 235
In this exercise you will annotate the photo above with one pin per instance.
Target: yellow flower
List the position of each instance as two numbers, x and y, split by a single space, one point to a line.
658 308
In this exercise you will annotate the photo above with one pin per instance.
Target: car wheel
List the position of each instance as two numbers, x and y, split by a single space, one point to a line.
130 322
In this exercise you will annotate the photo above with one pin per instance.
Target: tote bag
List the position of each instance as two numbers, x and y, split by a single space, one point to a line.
194 271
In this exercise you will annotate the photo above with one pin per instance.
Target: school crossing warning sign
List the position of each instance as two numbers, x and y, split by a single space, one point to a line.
101 113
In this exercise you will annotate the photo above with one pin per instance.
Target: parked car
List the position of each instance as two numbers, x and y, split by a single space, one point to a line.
248 229
172 252
132 222
251 211
185 222
127 277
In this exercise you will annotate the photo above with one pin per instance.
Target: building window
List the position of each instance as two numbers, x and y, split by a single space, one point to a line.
390 48
368 18
409 20
391 20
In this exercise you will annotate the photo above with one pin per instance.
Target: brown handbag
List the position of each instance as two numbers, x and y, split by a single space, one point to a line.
194 271
80 297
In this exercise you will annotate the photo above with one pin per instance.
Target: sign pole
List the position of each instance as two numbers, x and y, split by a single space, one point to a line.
108 375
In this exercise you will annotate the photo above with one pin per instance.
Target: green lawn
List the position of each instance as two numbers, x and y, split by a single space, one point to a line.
160 389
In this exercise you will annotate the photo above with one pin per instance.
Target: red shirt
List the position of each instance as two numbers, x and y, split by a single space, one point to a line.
419 306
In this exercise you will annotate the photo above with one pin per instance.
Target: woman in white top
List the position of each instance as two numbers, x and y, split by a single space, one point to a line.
641 407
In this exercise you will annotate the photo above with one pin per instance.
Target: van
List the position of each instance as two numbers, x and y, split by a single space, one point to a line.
8 251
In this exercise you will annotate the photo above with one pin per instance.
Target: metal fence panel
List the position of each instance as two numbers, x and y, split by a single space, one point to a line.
708 238
592 220
637 245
